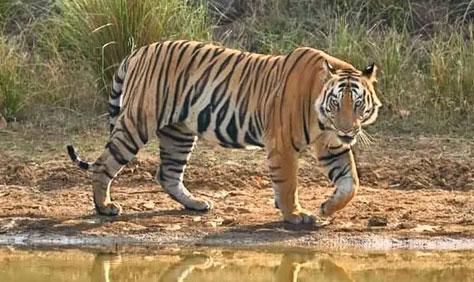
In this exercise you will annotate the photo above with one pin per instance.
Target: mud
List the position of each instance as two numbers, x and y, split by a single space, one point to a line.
421 189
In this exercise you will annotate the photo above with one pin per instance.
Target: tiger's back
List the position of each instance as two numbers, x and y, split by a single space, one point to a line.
212 90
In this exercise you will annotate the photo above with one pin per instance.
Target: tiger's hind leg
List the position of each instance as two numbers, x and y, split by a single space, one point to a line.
120 149
176 145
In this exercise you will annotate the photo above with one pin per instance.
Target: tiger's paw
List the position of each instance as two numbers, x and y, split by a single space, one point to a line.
109 209
199 205
325 211
300 216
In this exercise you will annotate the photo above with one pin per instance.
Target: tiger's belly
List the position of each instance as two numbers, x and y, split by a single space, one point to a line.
226 132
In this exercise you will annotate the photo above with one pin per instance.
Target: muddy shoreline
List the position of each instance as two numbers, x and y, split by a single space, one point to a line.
237 240
418 191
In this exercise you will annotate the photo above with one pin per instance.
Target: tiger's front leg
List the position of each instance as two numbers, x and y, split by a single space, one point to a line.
339 166
283 172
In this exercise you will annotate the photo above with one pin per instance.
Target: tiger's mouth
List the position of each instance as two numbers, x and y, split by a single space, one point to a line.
346 139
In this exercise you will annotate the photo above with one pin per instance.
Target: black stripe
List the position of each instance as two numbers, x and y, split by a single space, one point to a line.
286 81
223 65
172 161
119 158
138 69
222 91
219 119
157 57
118 79
106 172
114 110
176 94
184 145
333 156
201 83
332 171
243 81
321 125
291 136
174 137
125 130
176 170
250 140
165 88
194 54
217 52
115 95
185 107
341 173
127 146
203 57
305 127
164 176
181 52
84 165
232 129
72 153
204 119
243 109
335 147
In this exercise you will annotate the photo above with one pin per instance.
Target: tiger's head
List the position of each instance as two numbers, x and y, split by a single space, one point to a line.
348 101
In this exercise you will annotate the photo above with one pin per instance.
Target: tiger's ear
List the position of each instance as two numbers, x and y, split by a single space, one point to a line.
370 73
330 70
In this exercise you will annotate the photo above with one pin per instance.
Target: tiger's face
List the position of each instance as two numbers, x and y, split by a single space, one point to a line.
348 101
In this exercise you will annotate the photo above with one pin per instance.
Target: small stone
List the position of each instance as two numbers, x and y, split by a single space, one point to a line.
405 225
228 221
173 227
196 218
377 221
149 205
211 224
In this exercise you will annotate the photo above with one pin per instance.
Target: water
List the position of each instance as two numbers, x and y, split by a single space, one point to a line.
232 265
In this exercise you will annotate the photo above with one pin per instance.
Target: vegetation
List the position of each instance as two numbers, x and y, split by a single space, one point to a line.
60 56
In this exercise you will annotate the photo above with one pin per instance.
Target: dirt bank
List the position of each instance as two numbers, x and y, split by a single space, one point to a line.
423 188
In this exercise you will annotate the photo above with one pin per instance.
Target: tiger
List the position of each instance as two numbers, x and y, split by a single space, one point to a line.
182 90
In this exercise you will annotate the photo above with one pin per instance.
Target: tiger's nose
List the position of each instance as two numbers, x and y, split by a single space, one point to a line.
351 131
346 130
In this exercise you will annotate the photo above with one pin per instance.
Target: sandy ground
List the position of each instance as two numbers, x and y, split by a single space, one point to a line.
423 188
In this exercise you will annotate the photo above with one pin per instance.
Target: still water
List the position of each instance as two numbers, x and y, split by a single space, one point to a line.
232 265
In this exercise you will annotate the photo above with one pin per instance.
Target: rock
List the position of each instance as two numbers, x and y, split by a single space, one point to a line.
149 205
377 221
405 225
211 224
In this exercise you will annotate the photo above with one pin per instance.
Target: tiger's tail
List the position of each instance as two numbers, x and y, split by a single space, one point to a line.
115 105
115 96
75 158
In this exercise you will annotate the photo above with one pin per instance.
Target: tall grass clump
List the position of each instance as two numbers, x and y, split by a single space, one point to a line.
451 74
103 32
12 82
